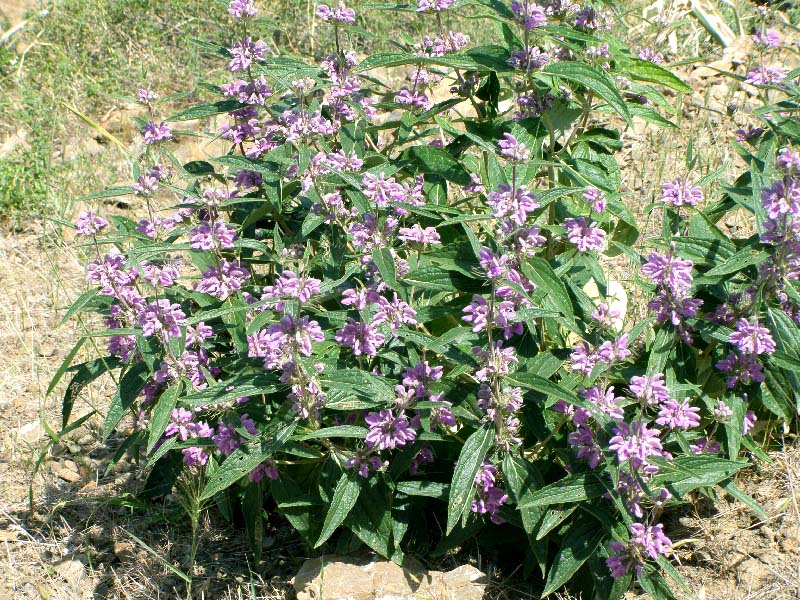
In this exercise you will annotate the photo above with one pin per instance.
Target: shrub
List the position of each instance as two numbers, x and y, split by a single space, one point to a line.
397 311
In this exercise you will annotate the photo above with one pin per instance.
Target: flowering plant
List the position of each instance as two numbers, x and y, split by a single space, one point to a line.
398 312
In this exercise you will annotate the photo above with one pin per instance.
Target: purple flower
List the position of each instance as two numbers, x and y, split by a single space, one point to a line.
650 55
208 236
476 187
416 234
583 359
782 197
532 15
425 455
704 446
496 362
223 282
513 149
584 235
88 223
636 443
163 275
596 199
183 426
162 316
291 285
669 271
517 205
146 185
788 161
341 13
610 352
767 39
246 179
155 133
242 8
766 75
496 267
245 52
265 469
194 456
381 190
364 462
741 368
196 335
680 192
751 337
605 400
532 59
361 337
226 439
749 134
488 497
650 389
395 313
646 541
749 422
145 96
591 18
583 439
435 5
387 431
678 415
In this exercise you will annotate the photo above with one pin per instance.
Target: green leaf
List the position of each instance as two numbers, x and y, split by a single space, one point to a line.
428 489
659 352
130 385
655 585
745 257
578 543
544 386
686 473
437 161
383 259
344 499
359 383
205 110
572 488
112 192
84 374
80 302
159 419
337 431
245 459
469 461
729 486
64 366
595 80
644 70
551 288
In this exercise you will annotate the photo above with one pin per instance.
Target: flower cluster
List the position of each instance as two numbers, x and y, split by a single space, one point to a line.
377 287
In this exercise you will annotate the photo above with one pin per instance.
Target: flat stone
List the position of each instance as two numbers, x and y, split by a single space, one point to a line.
68 471
331 577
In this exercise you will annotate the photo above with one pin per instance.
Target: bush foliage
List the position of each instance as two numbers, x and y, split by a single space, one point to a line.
400 309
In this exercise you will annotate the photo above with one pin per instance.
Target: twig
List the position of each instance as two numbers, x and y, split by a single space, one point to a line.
19 26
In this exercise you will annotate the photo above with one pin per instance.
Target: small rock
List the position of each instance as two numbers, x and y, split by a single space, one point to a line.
68 471
30 432
353 579
46 348
71 569
123 551
87 439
